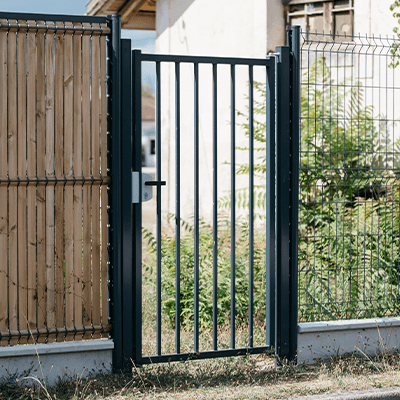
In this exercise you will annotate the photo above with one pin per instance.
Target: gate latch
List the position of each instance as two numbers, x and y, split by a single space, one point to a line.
147 190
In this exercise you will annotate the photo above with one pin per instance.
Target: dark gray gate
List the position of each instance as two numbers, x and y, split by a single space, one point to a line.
281 152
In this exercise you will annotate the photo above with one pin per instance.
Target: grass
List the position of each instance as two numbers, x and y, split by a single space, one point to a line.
246 377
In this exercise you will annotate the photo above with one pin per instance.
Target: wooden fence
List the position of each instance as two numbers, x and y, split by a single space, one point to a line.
53 181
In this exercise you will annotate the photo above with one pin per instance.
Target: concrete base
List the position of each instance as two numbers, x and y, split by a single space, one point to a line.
322 340
53 362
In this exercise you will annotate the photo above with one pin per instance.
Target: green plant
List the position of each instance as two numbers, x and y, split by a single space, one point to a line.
348 246
348 200
394 7
168 257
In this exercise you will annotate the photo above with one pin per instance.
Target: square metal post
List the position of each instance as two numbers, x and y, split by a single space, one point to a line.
283 304
288 106
114 124
136 148
293 41
128 276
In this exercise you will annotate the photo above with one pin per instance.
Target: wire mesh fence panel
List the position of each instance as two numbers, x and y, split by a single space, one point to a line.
349 200
53 179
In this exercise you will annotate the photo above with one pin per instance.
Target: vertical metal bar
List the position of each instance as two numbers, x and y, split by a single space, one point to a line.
270 203
294 44
158 174
177 210
215 212
136 149
126 205
282 205
115 189
251 207
196 207
233 211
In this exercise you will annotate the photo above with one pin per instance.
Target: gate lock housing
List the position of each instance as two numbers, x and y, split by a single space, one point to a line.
147 183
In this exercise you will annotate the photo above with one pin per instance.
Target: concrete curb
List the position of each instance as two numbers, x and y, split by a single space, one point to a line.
392 393
322 340
55 361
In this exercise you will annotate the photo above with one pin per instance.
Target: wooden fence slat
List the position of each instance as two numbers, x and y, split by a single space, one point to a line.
40 191
86 157
103 143
22 223
59 190
3 190
68 173
77 188
50 268
13 194
31 173
95 137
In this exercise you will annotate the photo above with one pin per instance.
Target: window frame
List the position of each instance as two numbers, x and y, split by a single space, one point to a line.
328 11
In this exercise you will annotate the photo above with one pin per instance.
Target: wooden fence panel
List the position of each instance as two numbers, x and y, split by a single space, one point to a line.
31 175
59 190
13 191
77 188
3 190
53 181
86 156
21 174
41 191
68 173
95 129
50 275
103 172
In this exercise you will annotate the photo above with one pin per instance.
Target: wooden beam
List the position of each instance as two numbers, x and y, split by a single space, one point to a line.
142 21
95 6
132 14
130 9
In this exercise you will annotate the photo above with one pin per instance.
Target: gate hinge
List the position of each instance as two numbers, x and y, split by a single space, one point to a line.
147 191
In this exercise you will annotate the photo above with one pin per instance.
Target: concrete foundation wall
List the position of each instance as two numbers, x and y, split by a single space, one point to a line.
53 362
322 340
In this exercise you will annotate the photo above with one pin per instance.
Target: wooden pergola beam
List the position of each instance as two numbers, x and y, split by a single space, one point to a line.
135 14
131 9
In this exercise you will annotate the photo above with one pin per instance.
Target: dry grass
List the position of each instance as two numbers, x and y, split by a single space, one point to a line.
247 377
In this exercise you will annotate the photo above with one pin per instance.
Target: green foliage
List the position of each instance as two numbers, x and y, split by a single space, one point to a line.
348 201
395 8
348 235
168 257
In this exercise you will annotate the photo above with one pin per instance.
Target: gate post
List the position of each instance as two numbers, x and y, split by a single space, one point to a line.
123 277
288 102
114 125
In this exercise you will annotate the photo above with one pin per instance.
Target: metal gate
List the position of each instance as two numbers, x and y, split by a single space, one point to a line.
131 187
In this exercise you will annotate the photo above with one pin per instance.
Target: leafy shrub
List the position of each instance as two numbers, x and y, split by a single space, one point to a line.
168 257
348 201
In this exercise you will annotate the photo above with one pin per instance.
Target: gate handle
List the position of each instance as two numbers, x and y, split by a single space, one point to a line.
155 183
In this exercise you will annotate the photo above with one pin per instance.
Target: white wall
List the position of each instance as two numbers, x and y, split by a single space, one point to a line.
373 17
216 28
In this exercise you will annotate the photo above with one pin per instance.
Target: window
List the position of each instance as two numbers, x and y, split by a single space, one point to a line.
335 16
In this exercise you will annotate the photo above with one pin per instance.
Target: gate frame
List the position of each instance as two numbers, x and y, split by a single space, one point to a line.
126 286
